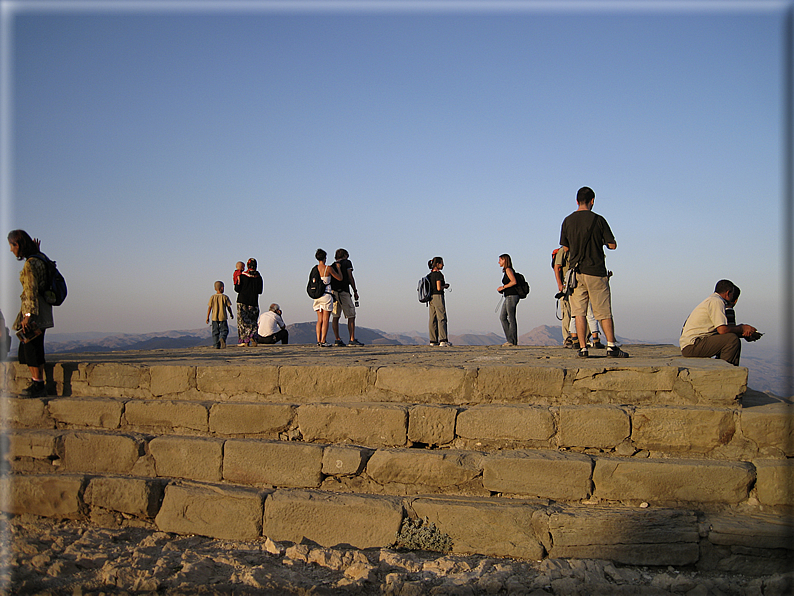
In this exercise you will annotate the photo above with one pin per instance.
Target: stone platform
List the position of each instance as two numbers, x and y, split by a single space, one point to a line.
525 452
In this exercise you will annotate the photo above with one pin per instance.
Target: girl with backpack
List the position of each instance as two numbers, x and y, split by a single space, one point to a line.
509 290
438 309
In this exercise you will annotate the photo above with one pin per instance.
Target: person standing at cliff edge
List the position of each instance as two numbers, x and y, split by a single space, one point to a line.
584 234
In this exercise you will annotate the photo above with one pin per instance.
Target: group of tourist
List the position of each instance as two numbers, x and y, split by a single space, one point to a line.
579 268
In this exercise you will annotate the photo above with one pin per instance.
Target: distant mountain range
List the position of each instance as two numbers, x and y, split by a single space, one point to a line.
767 368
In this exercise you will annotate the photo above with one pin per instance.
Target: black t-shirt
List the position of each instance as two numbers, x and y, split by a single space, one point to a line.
434 277
588 253
342 285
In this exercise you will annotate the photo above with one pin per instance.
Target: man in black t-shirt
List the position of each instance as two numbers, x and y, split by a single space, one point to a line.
584 234
343 303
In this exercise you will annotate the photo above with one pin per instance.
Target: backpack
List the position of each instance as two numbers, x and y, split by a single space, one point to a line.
423 289
54 291
315 288
522 287
554 256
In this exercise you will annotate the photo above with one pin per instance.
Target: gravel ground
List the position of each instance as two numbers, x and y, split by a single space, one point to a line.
42 556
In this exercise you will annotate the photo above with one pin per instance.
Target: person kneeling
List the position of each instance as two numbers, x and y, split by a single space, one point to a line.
271 328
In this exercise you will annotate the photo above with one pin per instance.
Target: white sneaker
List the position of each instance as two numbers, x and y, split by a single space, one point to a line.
445 344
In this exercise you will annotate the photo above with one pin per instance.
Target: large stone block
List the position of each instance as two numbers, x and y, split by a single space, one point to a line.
111 374
98 413
320 382
237 380
250 418
672 480
168 415
771 425
539 473
166 380
193 458
344 461
694 429
751 529
514 383
715 382
492 527
134 496
421 383
46 495
431 425
599 427
626 378
429 468
373 425
361 521
276 463
26 413
510 422
38 444
94 452
220 512
775 481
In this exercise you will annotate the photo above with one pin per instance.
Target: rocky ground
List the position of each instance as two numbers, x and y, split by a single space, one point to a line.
42 556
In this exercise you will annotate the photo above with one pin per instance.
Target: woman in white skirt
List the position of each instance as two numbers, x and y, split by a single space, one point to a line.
325 303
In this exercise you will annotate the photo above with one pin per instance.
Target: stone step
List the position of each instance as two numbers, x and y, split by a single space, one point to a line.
655 431
729 540
559 476
414 374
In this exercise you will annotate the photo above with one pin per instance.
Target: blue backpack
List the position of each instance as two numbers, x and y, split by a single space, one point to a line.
54 291
423 289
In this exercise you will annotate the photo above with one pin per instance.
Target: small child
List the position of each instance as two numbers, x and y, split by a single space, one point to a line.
218 305
238 271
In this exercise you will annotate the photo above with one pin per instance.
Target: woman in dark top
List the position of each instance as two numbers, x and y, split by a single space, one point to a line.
438 308
509 290
248 287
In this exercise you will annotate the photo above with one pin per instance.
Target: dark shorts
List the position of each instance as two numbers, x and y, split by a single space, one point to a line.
32 353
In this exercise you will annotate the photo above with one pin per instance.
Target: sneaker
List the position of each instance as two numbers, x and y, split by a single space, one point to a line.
445 344
568 343
325 344
616 352
583 353
596 345
354 342
339 342
35 389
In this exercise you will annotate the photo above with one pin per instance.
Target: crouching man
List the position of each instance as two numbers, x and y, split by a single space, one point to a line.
707 333
270 328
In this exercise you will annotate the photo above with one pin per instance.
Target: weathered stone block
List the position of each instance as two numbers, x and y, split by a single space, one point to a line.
101 413
276 463
344 461
436 468
170 415
511 422
135 496
545 474
446 384
600 427
45 495
715 382
220 512
775 481
506 383
672 480
250 418
751 530
38 444
361 521
237 380
431 425
188 457
626 378
770 425
26 413
166 380
492 527
94 452
318 382
682 428
125 376
372 425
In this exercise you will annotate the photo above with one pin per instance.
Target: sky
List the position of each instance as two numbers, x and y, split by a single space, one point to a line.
151 146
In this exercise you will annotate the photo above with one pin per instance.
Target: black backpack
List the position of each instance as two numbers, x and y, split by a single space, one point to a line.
315 288
54 291
522 287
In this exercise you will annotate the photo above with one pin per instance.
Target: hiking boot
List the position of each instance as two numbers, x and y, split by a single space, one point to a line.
583 353
616 352
35 389
340 343
354 342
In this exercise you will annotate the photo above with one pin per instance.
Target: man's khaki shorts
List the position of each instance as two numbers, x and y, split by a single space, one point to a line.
594 290
343 303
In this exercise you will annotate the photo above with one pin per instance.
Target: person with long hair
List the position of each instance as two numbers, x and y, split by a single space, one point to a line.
248 287
437 326
509 291
324 305
35 313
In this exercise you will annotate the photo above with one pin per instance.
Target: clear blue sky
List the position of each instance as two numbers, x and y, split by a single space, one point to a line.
151 148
